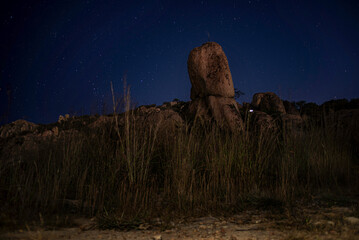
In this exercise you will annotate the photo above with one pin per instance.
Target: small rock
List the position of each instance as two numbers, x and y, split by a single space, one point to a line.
352 220
157 221
63 118
341 209
144 226
173 103
157 237
47 133
331 223
323 223
55 131
202 226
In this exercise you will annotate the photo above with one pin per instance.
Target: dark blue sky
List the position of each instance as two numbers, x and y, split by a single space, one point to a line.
59 57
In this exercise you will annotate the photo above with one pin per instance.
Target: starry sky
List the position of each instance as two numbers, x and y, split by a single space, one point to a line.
60 56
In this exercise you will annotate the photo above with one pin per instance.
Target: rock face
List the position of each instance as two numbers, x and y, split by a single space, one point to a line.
19 127
164 120
209 72
212 91
268 102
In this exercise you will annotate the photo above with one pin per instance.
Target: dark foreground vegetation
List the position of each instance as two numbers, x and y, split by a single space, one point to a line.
126 173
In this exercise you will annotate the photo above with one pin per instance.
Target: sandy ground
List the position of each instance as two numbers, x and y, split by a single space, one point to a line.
306 223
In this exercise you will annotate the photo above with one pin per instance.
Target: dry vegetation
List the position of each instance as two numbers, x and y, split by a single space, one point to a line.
128 173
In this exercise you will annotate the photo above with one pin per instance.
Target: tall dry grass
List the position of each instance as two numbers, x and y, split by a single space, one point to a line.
131 172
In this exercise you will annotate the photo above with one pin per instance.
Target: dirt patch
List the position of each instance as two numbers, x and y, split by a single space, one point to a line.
330 222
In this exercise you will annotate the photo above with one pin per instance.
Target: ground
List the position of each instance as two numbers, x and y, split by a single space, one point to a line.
333 221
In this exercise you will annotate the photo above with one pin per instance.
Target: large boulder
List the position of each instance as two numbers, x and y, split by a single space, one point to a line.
212 91
165 120
209 72
268 102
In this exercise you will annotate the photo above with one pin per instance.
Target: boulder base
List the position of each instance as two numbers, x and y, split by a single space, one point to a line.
224 111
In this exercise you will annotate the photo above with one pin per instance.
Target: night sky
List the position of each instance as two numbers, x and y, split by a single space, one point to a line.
59 56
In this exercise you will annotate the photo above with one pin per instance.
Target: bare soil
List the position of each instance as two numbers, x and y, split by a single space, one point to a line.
310 222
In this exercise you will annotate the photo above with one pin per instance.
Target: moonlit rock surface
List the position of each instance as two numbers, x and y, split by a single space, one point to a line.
209 72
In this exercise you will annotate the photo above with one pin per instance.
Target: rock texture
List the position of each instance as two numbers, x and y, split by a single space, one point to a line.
270 112
212 91
268 102
209 72
164 119
17 128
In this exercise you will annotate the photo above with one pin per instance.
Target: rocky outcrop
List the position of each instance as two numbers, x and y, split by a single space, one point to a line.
17 128
269 111
21 136
268 102
212 91
165 119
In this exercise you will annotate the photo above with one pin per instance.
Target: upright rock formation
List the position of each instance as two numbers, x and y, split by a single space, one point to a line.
212 91
209 72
